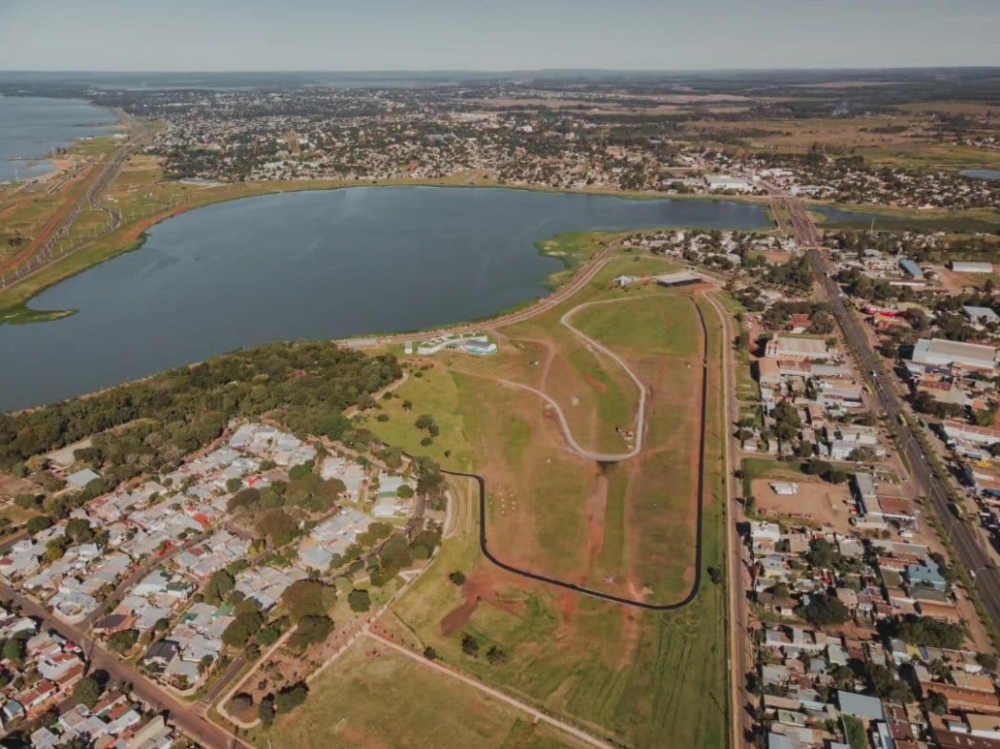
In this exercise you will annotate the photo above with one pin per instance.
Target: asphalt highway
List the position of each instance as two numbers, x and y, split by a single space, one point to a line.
968 544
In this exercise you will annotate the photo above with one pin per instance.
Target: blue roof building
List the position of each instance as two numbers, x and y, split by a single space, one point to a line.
927 574
911 269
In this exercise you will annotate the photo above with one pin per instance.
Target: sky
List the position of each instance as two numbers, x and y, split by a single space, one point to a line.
354 35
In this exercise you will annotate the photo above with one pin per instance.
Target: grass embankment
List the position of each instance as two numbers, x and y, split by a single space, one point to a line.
643 679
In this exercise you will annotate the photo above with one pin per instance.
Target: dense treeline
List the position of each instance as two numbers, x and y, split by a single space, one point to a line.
150 425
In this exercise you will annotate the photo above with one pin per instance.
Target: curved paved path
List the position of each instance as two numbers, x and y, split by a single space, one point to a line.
699 520
640 418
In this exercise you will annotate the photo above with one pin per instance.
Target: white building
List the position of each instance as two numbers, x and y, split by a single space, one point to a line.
787 347
961 266
720 182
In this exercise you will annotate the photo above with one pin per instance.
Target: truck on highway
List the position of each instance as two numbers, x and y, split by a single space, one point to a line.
956 509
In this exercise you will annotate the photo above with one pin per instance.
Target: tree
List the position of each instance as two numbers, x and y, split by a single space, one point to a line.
936 704
218 587
359 600
922 630
823 610
240 705
430 653
265 711
987 661
242 628
496 655
715 575
245 499
14 650
279 525
301 471
310 630
470 645
822 554
122 642
38 524
79 530
291 697
87 691
233 485
307 598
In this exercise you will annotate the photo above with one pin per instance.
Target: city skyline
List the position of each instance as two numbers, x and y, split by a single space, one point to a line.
252 35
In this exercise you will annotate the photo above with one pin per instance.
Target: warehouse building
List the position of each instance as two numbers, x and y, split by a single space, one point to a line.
961 266
939 352
789 347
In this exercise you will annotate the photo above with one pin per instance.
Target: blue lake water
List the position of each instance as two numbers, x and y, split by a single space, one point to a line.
31 128
317 265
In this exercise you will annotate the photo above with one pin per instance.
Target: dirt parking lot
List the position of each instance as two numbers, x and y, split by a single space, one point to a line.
816 501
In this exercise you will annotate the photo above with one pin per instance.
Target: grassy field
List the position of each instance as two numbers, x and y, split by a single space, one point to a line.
642 679
375 697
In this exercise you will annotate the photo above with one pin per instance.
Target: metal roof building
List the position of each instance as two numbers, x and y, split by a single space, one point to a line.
910 268
937 351
962 266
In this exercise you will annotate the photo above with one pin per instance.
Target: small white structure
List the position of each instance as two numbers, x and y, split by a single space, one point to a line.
475 344
785 490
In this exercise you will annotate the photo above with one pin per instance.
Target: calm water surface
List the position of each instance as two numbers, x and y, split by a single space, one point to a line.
981 173
315 265
31 128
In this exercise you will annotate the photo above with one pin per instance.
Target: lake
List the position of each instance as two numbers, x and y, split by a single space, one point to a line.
981 173
318 265
31 128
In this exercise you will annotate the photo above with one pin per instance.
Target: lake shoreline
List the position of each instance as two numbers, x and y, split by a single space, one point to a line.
320 266
15 301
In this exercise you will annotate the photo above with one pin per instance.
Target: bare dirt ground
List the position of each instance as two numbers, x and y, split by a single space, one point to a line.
479 587
817 502
11 486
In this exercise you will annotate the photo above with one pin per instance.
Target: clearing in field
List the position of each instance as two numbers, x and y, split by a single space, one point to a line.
377 698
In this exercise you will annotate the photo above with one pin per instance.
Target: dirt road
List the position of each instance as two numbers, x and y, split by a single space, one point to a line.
497 695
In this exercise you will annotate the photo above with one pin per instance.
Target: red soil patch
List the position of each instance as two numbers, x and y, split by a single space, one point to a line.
598 385
567 602
479 588
597 505
631 629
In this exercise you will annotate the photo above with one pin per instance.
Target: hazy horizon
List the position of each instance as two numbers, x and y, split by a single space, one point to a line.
183 36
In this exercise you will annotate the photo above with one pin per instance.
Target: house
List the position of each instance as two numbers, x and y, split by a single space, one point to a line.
160 654
927 574
980 315
80 479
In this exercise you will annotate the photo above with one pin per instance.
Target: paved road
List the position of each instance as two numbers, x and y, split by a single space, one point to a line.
179 712
40 254
968 544
495 694
740 647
